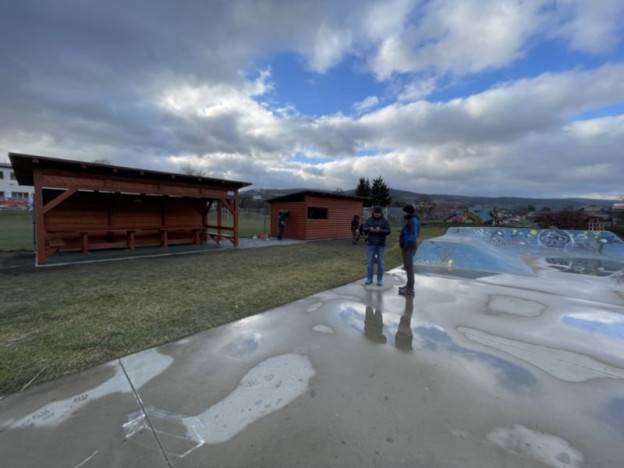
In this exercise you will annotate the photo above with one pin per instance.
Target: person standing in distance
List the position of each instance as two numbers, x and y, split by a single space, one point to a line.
377 228
407 242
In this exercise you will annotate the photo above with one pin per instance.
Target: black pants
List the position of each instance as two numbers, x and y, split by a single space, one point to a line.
408 264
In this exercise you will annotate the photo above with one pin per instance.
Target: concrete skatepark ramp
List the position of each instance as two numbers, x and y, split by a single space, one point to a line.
521 251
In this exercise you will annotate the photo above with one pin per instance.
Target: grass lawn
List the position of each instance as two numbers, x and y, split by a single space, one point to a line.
55 321
16 231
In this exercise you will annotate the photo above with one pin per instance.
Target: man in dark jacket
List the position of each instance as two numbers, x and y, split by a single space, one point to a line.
377 228
407 241
355 229
281 223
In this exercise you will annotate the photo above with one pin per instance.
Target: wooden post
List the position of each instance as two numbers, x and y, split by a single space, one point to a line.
164 240
131 240
219 219
205 235
204 215
40 230
235 214
163 208
85 242
109 208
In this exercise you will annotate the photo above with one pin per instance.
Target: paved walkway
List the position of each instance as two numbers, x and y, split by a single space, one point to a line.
473 372
10 261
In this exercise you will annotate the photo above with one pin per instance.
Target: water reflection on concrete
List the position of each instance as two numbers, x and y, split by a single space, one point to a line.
605 323
382 328
512 376
585 266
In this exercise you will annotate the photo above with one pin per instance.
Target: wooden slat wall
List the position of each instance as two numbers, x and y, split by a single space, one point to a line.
295 225
298 226
89 210
338 223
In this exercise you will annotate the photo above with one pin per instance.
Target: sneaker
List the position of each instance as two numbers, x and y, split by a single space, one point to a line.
379 283
368 282
406 292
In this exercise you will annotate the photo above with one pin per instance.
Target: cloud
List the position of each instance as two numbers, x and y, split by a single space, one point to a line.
460 37
366 103
115 83
593 27
417 89
519 137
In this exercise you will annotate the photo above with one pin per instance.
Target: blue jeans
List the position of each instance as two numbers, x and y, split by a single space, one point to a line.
375 250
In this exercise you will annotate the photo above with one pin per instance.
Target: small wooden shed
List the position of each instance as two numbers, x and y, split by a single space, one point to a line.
81 206
315 215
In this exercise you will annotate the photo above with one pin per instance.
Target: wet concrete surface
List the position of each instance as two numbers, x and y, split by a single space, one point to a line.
473 371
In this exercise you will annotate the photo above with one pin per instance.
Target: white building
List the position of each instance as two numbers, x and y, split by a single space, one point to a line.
9 188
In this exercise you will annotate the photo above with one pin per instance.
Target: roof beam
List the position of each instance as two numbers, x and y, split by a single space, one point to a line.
58 200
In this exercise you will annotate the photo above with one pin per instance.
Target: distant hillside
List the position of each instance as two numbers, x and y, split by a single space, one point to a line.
405 196
506 202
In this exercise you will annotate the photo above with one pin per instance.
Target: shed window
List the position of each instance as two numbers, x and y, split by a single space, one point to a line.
317 213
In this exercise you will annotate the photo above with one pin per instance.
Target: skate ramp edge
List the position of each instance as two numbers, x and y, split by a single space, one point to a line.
506 250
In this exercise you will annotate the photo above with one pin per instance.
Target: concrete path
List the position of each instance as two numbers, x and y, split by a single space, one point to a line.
473 372
25 261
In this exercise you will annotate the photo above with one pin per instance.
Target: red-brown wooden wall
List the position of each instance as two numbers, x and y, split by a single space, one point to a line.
337 225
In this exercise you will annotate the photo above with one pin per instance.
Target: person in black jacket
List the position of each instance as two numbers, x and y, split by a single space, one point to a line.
407 242
377 228
355 228
281 223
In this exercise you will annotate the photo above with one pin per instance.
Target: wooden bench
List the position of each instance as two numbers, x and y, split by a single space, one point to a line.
56 236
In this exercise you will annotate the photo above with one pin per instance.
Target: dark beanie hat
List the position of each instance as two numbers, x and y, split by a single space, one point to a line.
409 209
377 209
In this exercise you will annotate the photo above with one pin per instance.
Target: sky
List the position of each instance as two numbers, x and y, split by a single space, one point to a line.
470 97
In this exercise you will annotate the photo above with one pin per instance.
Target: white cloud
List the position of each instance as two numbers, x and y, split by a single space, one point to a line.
328 48
517 138
164 98
366 103
417 89
461 37
591 26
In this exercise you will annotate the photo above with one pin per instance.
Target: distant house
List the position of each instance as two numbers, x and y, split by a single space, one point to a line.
458 218
12 194
618 213
598 218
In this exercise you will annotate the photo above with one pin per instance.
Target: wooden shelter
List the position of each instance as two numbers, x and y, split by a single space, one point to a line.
82 206
314 215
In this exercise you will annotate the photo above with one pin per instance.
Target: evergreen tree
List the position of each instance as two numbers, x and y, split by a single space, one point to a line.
380 192
363 188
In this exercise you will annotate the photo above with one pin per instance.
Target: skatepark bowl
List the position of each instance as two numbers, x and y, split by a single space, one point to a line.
510 353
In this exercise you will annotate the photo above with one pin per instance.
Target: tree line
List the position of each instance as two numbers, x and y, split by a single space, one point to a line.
376 193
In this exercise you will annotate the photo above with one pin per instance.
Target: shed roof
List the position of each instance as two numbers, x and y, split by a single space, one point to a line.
300 195
23 165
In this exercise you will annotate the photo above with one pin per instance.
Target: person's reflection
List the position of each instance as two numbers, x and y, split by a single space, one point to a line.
373 325
404 336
